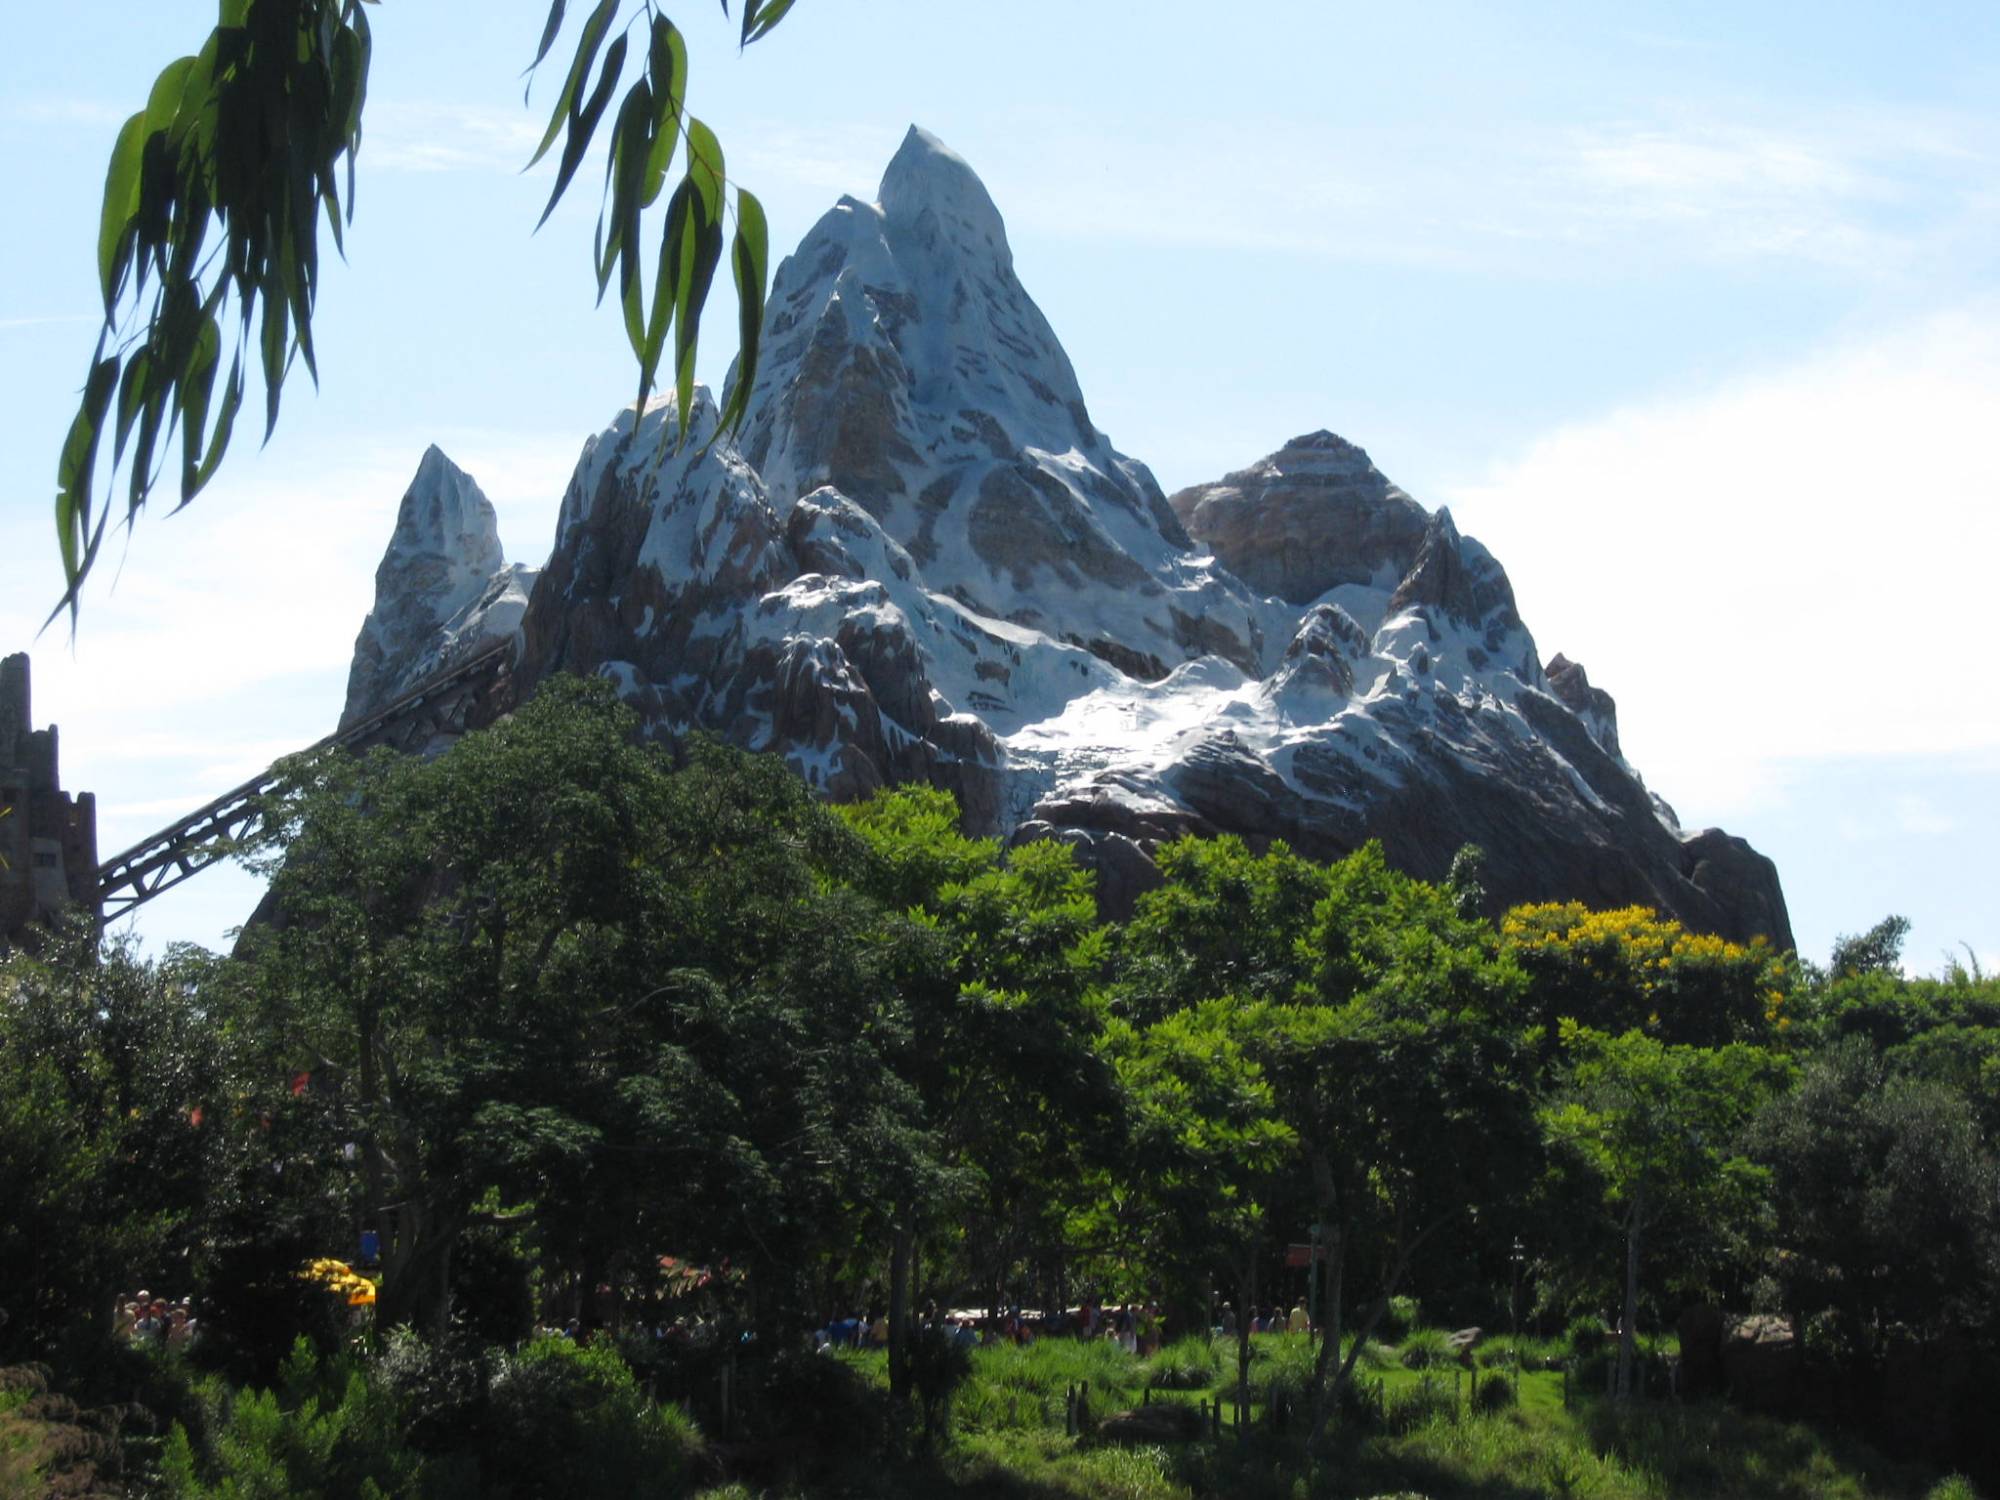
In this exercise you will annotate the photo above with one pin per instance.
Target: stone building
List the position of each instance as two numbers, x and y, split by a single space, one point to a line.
48 839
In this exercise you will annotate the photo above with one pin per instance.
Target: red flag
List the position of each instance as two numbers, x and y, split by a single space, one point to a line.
299 1082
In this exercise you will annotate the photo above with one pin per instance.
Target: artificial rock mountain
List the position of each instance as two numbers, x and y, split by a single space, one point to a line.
919 560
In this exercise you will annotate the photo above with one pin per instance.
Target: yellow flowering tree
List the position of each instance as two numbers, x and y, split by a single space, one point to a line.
1631 969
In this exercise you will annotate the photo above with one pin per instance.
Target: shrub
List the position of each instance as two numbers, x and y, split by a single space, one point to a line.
1190 1364
1361 1403
1377 1355
1399 1319
1425 1349
1287 1370
571 1419
438 1422
1493 1393
1586 1337
939 1365
48 1446
1429 1400
327 1430
1126 1473
1954 1487
440 1389
806 1407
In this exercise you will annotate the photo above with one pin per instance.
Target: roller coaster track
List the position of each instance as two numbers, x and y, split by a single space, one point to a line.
442 705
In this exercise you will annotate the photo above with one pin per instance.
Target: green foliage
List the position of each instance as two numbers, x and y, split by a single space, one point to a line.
203 159
48 1445
1879 950
571 1419
528 973
102 1168
1493 1393
1887 1198
1223 922
1586 1336
1400 1316
939 1366
1424 1349
1187 1364
328 1431
1659 1128
547 1419
1431 1399
579 1003
1040 1376
1659 1124
214 196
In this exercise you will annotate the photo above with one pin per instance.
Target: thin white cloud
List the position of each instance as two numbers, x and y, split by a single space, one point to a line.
1875 194
1795 566
410 136
48 320
47 111
1917 816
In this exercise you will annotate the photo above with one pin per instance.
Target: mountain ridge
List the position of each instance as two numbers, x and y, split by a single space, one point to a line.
919 560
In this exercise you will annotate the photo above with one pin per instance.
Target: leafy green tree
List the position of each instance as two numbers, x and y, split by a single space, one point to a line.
1225 930
208 240
1000 996
1223 921
556 979
1879 950
1412 1111
1384 1024
1660 1127
1887 1198
106 1065
1209 1153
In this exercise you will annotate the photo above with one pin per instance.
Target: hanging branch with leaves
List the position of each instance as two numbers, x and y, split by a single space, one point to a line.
210 228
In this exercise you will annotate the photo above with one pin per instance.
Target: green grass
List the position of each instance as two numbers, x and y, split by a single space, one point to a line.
1191 1364
1010 1444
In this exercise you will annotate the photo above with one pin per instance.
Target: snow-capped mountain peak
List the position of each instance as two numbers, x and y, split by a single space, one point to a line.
921 560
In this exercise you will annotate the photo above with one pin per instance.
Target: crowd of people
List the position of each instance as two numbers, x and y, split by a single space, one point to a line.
1133 1326
145 1319
1266 1320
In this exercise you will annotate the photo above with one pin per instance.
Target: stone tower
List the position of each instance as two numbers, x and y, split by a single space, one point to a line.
48 838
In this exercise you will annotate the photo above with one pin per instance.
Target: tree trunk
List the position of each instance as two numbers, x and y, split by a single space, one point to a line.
1327 1393
1246 1287
416 1269
1329 1349
1629 1319
901 1250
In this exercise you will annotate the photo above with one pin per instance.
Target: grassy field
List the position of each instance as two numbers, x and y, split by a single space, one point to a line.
1420 1433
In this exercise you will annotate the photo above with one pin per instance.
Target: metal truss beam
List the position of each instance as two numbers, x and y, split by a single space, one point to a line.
442 707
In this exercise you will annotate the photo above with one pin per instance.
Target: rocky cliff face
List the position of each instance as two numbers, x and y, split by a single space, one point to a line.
919 560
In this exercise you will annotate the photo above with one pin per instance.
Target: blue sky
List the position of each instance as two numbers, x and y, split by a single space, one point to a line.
1689 311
